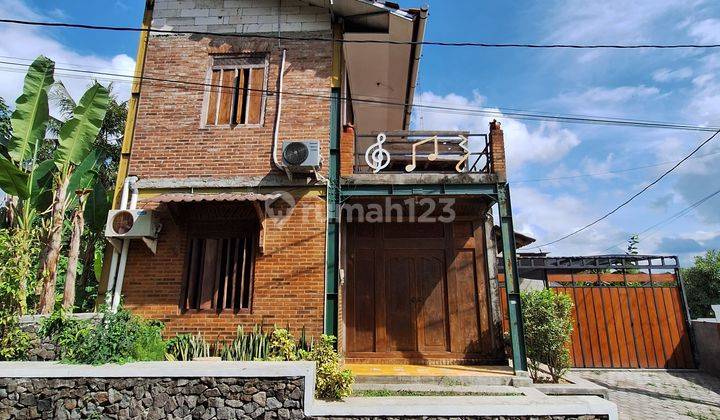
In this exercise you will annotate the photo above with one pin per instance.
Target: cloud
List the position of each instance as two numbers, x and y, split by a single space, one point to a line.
706 31
24 42
599 95
667 75
546 217
545 143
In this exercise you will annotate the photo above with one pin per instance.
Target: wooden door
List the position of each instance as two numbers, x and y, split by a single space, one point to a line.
401 318
431 301
418 292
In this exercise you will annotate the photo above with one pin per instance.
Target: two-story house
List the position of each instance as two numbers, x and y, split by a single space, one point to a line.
386 241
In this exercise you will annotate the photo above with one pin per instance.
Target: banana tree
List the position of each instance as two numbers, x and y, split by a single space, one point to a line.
19 170
75 141
82 185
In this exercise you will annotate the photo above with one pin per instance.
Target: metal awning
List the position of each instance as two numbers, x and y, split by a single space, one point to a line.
220 197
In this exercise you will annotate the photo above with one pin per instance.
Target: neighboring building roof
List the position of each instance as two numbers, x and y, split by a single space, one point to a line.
520 239
222 197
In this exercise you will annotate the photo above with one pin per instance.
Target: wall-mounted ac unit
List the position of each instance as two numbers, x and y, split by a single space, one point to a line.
128 224
301 156
132 224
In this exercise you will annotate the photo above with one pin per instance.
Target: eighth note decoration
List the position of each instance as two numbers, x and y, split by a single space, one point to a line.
376 156
432 156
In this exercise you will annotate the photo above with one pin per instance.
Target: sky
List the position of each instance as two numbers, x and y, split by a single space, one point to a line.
591 168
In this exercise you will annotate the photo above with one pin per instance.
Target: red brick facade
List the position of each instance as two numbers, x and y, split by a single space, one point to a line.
170 142
288 286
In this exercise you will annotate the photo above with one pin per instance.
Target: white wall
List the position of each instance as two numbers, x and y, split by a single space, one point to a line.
239 16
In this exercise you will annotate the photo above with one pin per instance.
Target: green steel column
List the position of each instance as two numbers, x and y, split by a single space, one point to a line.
512 282
333 225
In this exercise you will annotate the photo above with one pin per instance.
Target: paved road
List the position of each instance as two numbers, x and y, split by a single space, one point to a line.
647 394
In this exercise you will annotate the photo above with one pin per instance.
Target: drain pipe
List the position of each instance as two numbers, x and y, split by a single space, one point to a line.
276 127
116 254
118 283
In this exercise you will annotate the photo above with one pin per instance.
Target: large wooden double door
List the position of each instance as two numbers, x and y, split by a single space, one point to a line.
418 292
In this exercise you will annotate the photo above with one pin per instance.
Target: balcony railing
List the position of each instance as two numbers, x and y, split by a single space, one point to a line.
422 151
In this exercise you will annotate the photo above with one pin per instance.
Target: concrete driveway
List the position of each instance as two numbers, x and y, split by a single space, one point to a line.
656 394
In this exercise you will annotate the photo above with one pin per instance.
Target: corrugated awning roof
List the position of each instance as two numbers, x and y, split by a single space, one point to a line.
220 197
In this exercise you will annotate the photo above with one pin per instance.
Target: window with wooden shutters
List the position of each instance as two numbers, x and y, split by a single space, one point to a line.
219 273
237 91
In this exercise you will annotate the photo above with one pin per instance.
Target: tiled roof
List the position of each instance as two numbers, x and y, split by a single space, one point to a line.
221 197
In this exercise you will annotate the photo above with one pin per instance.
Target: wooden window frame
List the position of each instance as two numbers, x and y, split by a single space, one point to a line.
265 66
251 233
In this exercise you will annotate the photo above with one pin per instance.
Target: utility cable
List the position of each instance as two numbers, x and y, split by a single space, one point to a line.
675 216
488 112
634 196
596 174
359 41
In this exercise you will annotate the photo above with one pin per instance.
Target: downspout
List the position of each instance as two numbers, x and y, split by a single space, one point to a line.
276 127
115 254
117 292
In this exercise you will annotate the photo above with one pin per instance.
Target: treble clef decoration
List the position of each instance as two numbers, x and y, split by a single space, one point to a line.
376 156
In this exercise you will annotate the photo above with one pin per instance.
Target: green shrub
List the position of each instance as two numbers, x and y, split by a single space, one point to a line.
247 346
282 346
547 318
332 382
185 347
702 284
118 338
14 342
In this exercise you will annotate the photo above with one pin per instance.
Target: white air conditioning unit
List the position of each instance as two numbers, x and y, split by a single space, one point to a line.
132 224
301 156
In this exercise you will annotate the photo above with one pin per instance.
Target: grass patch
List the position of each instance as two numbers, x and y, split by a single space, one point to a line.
406 393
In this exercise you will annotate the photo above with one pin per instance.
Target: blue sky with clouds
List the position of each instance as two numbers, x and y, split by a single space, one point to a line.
680 86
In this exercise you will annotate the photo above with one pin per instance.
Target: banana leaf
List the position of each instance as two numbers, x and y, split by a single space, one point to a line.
41 190
84 176
12 180
78 134
30 117
97 207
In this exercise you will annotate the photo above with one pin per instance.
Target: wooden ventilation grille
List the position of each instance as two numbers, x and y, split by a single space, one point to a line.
218 274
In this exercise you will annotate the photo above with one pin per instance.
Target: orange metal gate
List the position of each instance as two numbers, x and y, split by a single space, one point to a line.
629 311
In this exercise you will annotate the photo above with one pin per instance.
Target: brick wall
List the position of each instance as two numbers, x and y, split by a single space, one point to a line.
288 287
242 16
170 141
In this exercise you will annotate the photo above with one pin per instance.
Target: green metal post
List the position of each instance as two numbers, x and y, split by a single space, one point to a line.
333 223
512 282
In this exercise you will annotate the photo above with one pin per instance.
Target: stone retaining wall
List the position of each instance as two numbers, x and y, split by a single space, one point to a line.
42 349
242 390
152 398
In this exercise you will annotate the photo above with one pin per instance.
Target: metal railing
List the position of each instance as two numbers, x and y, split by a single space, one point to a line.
423 151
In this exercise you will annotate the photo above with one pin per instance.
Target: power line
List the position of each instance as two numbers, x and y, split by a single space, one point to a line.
634 196
502 109
675 216
488 112
361 41
595 174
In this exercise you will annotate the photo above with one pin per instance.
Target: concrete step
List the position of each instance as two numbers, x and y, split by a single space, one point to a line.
480 390
458 380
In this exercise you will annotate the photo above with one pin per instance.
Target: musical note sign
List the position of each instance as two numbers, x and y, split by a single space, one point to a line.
432 156
376 156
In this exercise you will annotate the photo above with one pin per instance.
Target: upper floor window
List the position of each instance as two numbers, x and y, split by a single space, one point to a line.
237 90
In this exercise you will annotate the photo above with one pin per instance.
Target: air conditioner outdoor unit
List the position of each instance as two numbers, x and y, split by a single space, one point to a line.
301 156
132 224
